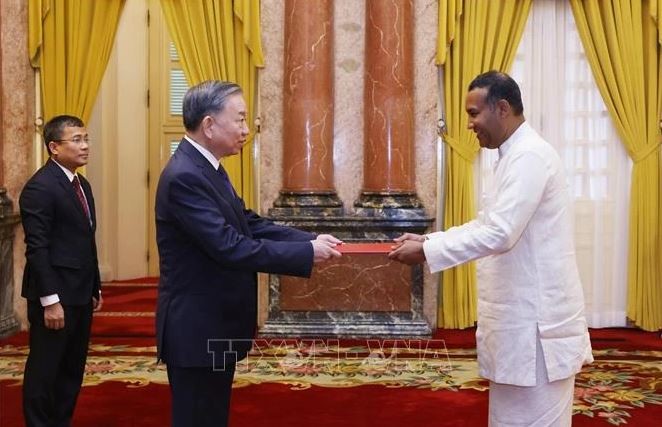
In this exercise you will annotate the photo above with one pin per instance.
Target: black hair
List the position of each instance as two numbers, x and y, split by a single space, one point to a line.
54 128
499 86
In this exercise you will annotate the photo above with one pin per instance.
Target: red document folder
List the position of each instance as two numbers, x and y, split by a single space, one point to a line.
365 248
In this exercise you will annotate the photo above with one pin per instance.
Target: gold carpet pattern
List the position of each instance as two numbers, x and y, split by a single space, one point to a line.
616 384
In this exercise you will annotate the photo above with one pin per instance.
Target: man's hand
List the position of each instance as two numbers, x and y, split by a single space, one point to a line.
329 238
410 236
54 316
323 248
97 303
409 252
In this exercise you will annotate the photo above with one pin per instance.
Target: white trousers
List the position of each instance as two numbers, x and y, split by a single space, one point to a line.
543 405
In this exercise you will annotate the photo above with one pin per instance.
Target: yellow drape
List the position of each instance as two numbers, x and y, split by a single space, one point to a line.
70 42
621 39
220 40
474 36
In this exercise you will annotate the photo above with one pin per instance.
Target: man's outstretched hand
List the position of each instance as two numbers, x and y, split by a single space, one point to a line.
408 249
324 247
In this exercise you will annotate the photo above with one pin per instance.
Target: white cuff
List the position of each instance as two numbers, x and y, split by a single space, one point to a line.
49 300
434 235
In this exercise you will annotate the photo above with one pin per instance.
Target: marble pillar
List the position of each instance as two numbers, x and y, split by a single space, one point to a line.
8 220
388 172
308 188
17 126
360 294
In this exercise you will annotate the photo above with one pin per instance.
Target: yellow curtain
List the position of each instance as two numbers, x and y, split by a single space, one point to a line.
474 36
220 39
622 43
70 42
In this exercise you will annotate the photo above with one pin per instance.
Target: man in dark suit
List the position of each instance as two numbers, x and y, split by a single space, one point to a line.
210 249
61 277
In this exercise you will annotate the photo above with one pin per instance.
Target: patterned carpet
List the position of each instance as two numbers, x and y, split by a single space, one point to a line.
614 388
333 382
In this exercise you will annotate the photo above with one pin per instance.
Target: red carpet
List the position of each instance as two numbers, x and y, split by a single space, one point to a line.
127 298
124 386
128 309
114 404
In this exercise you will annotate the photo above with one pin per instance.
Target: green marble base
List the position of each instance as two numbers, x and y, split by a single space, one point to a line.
8 222
311 204
389 205
357 229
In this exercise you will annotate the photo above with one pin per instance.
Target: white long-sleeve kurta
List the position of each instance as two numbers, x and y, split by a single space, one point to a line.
528 279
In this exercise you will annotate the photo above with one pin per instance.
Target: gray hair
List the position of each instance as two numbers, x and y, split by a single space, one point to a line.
204 99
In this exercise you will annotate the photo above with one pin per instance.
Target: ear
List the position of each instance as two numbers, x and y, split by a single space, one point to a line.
54 147
206 125
503 107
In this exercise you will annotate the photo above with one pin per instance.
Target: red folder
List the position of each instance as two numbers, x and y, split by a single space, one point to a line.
366 248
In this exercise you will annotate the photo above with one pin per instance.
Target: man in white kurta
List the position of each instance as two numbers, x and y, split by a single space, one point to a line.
532 336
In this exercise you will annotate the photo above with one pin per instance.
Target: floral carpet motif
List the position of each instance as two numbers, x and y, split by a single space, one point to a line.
616 384
612 389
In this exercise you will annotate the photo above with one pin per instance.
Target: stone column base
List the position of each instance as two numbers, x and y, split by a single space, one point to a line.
8 221
359 295
8 325
389 205
309 204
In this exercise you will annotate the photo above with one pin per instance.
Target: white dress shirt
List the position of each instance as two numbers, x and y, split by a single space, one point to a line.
206 153
528 280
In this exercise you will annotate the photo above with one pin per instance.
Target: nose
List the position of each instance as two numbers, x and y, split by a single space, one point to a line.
470 125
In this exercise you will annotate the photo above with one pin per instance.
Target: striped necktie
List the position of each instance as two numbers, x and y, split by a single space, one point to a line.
81 197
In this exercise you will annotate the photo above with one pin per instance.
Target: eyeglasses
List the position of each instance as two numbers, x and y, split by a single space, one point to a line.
76 140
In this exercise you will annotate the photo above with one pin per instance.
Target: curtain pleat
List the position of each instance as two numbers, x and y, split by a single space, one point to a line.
70 42
622 43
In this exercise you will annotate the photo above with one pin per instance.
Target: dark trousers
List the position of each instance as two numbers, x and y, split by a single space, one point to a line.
200 396
55 366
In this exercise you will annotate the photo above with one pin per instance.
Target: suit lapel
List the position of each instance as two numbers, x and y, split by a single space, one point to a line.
67 187
215 178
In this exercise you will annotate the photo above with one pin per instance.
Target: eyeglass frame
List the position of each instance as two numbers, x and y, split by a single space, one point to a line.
76 141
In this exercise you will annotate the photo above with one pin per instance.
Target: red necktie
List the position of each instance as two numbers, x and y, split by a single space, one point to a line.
81 197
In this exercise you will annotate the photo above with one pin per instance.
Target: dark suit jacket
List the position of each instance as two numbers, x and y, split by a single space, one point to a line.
210 248
60 246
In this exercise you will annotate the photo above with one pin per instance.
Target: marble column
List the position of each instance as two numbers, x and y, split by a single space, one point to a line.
388 166
8 220
308 188
8 322
362 294
17 128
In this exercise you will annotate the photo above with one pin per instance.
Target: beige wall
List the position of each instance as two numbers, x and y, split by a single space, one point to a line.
118 165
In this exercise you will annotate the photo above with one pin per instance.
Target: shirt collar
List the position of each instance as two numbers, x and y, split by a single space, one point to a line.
508 143
206 153
70 175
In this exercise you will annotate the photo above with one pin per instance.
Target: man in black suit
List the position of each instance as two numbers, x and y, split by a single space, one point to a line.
61 277
210 249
